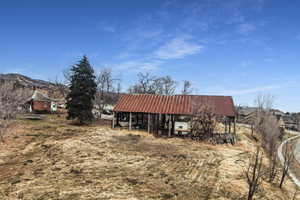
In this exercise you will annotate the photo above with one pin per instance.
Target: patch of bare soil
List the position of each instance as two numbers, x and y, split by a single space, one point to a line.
51 159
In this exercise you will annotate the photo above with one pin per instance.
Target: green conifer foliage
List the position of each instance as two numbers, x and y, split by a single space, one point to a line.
82 92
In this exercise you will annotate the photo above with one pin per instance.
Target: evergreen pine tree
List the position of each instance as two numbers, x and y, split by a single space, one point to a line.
82 92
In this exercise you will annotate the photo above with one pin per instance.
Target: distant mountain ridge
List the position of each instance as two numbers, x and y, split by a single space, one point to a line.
25 81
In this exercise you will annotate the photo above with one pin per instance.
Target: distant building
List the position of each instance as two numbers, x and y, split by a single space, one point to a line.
247 115
290 123
41 103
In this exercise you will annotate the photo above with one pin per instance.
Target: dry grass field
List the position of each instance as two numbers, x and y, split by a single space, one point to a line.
51 159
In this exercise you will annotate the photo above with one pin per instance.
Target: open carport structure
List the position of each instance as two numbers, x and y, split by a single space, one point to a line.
163 114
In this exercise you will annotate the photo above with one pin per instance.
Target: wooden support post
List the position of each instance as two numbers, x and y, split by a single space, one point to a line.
234 126
225 125
149 121
159 124
173 123
130 120
113 120
229 125
191 126
117 117
170 125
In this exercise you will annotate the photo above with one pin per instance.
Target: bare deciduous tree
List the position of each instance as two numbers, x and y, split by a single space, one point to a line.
119 87
149 84
164 85
107 91
11 101
254 173
144 84
271 134
67 75
264 104
59 89
4 124
267 125
187 87
288 156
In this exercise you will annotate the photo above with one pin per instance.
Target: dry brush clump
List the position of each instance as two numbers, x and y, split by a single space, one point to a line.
204 121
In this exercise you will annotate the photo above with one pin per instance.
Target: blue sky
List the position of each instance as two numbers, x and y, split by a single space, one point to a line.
240 48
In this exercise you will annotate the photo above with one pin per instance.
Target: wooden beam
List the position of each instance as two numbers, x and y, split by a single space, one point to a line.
149 121
113 120
173 123
159 123
191 126
117 117
170 125
130 120
230 125
234 126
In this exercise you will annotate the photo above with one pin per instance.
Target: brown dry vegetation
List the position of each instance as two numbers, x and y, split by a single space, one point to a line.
51 159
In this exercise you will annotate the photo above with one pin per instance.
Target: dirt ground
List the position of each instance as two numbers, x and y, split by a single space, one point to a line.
52 159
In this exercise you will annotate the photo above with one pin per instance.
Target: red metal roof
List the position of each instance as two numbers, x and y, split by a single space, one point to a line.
176 104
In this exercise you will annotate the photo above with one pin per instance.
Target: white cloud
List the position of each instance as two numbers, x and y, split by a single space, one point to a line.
258 89
269 60
136 65
107 27
258 5
246 63
149 33
247 28
178 48
251 90
168 3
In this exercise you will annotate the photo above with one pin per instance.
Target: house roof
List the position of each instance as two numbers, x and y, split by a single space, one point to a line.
175 104
38 96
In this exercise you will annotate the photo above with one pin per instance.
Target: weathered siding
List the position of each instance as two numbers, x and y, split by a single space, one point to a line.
41 106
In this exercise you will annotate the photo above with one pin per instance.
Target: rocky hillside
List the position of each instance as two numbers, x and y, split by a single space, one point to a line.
53 90
25 81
